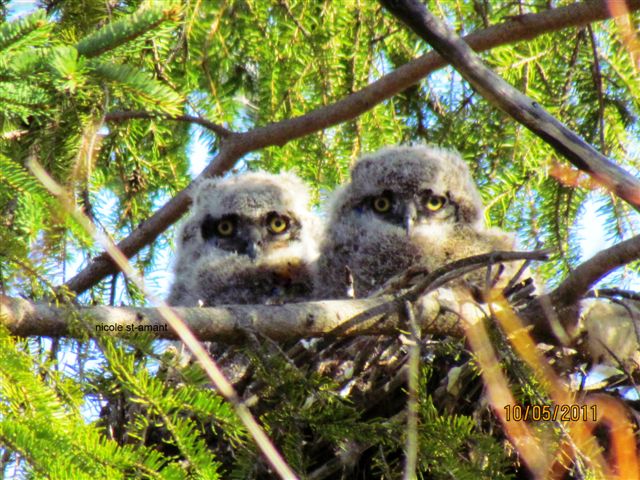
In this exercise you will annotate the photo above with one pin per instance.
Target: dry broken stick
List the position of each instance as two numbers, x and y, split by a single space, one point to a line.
236 145
514 103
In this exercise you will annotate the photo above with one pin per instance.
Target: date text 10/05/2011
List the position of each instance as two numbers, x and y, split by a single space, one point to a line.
546 413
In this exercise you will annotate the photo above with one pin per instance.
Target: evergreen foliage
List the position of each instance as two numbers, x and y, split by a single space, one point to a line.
41 420
244 64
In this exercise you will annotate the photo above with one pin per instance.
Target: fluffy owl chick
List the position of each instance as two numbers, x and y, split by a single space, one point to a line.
190 247
405 206
250 239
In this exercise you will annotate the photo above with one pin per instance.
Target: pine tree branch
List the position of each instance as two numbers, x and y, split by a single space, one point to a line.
124 30
120 116
511 101
229 324
236 145
11 32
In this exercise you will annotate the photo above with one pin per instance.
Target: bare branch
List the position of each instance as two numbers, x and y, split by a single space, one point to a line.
556 314
235 145
578 283
613 293
128 115
227 324
382 314
511 101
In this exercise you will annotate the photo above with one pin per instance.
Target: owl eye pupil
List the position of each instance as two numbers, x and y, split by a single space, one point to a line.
225 228
435 203
278 224
381 204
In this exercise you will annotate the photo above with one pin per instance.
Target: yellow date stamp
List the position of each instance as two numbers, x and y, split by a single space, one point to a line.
551 413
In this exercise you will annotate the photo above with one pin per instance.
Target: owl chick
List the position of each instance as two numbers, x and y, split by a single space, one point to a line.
250 239
405 206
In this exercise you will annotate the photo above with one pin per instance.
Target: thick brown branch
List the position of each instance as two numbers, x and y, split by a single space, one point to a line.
227 323
236 145
578 283
555 315
517 105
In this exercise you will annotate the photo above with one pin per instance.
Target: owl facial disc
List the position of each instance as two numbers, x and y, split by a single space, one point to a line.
245 235
410 210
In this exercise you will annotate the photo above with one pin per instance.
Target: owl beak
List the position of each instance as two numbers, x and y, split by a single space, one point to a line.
253 250
410 215
254 244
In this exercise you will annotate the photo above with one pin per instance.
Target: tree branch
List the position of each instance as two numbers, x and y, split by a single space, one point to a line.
555 315
228 324
511 101
235 145
578 283
121 116
382 314
332 318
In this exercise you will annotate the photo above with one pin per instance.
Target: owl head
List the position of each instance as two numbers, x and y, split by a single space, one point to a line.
404 206
411 187
245 236
255 214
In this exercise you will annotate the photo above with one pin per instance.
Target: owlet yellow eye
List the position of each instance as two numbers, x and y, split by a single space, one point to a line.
278 224
381 204
435 203
225 228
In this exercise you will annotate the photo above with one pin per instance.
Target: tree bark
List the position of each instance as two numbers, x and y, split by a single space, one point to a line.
228 324
588 273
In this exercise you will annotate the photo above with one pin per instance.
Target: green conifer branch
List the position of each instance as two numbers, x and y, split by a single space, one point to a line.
16 177
178 411
39 419
11 32
124 30
148 90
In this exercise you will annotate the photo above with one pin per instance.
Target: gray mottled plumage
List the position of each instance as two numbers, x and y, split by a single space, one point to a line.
249 239
405 206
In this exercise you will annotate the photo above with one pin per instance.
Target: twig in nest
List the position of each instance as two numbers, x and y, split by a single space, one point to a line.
434 280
